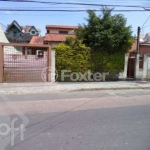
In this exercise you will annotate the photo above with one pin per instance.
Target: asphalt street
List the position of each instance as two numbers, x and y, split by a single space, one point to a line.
87 120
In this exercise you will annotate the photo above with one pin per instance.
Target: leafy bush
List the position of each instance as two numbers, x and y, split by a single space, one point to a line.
72 55
107 63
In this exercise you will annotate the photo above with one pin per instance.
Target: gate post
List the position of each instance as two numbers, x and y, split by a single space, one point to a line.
126 65
137 72
1 63
145 67
49 64
53 72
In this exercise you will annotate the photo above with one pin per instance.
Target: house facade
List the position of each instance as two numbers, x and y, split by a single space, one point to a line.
144 48
13 30
20 34
147 38
55 34
60 29
8 49
137 65
31 30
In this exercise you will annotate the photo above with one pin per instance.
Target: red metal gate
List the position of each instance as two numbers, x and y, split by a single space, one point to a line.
25 62
131 66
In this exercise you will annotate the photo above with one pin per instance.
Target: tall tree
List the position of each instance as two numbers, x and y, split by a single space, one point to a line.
106 32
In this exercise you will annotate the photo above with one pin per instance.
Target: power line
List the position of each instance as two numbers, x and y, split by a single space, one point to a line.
36 14
72 3
145 23
146 26
65 10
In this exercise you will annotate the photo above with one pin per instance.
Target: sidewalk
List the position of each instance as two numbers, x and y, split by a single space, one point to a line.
42 87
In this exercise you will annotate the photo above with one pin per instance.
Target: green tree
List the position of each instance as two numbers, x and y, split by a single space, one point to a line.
108 37
106 32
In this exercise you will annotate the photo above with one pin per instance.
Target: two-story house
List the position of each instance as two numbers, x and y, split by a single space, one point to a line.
20 34
31 30
13 30
55 34
58 33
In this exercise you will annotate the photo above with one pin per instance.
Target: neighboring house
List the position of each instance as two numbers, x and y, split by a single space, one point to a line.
8 49
31 30
16 33
138 65
144 48
147 38
142 37
55 35
14 30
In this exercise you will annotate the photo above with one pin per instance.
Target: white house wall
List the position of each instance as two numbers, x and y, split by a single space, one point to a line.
148 68
147 38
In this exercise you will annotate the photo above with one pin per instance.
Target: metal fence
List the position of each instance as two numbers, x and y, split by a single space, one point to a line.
24 62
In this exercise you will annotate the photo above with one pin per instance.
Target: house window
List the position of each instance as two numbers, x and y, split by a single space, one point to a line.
33 32
14 34
63 32
48 31
46 43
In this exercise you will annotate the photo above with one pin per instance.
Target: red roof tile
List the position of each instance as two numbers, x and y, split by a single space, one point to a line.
37 40
56 37
133 48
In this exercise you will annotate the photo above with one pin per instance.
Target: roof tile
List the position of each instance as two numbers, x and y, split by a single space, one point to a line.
37 40
133 48
56 37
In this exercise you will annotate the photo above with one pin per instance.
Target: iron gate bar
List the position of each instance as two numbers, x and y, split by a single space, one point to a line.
24 45
1 63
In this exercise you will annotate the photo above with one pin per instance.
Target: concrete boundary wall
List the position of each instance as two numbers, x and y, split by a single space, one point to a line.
139 73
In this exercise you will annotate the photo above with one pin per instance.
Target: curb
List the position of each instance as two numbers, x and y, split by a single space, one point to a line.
117 88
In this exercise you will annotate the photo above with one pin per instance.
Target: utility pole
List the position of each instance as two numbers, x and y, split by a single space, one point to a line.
138 38
137 56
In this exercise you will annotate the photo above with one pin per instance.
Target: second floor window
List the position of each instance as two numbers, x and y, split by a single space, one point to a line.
14 34
63 32
33 32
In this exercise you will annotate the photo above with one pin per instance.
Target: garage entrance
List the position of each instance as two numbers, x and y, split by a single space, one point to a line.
24 62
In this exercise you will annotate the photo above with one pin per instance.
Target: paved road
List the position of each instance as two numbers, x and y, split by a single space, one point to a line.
90 120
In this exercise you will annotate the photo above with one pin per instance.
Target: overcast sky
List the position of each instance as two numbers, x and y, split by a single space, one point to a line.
41 19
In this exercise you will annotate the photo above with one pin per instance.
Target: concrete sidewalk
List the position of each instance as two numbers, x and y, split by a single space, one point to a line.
42 87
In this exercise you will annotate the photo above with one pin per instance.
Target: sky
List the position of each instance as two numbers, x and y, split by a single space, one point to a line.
41 19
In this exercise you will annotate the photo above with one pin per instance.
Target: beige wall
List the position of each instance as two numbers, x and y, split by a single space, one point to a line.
56 31
71 32
53 31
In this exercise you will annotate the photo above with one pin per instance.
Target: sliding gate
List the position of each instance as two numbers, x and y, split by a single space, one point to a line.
24 62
